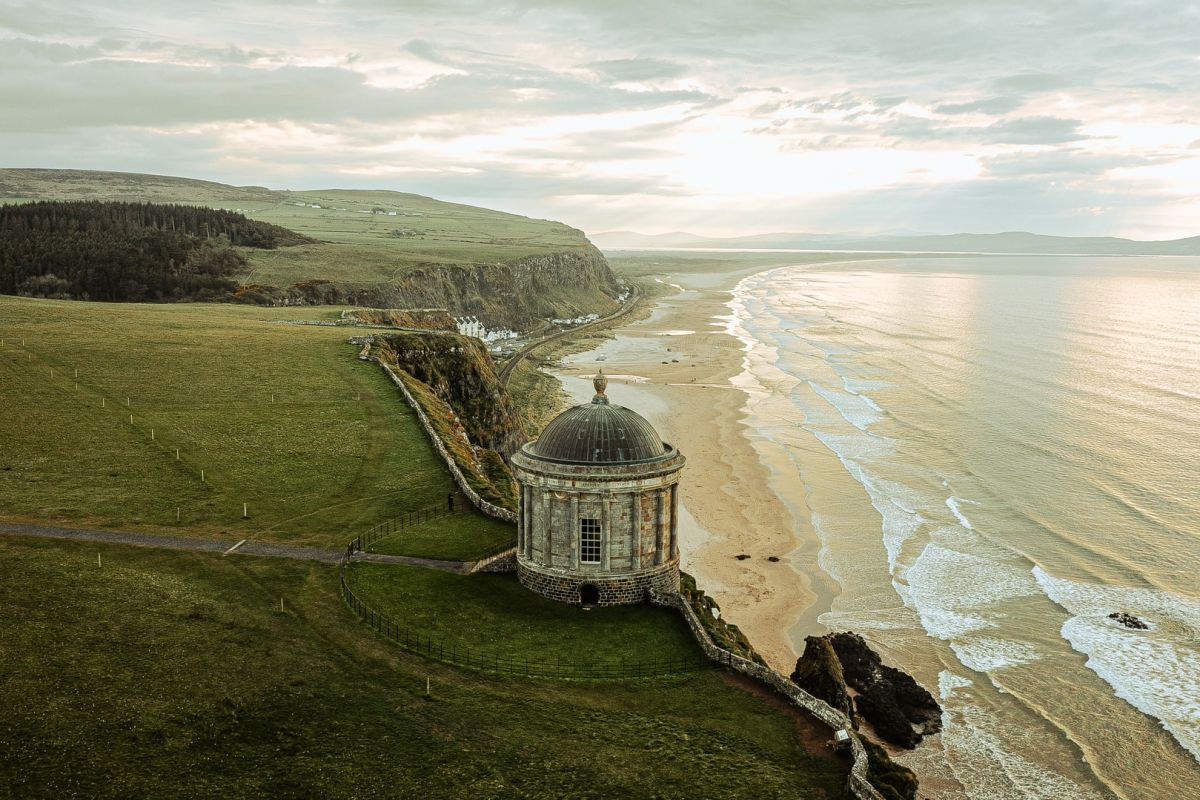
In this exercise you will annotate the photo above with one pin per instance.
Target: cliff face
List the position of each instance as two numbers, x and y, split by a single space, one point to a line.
459 371
517 295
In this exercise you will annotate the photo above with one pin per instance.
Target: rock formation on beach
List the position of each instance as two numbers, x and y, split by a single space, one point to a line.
1129 620
842 670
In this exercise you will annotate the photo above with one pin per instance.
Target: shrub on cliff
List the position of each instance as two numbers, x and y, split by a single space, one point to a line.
893 781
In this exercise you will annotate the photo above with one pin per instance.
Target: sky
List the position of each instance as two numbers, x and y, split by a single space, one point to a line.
1070 117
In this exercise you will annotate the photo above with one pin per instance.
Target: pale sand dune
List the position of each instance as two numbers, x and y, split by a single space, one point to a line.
730 499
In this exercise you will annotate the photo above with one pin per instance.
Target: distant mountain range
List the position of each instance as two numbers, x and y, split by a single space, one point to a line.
1012 242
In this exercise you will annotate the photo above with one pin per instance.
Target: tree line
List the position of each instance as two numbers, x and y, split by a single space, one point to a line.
128 252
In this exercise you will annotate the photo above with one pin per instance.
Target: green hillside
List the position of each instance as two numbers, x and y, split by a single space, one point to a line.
284 418
366 236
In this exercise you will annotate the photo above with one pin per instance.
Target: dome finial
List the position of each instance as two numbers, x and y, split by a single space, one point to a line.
601 383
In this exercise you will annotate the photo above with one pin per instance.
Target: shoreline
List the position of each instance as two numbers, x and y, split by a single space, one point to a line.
680 367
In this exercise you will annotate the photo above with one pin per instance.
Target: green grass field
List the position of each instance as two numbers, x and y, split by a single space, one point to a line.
359 246
283 418
167 674
492 612
459 537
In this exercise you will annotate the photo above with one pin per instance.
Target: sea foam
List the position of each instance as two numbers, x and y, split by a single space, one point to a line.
1156 671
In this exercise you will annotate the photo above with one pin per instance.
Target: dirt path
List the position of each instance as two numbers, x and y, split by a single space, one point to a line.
224 547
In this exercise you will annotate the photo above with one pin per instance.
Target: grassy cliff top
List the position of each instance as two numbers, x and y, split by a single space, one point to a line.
366 236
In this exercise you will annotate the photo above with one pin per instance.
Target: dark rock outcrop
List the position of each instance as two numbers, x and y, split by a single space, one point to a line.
899 709
1129 620
819 673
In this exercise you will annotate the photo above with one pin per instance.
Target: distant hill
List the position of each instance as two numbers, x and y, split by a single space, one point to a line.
374 247
1011 242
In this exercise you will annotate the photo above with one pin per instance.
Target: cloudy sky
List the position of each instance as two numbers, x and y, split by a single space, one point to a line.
1056 116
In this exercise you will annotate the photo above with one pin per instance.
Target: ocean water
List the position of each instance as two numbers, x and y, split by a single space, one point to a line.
995 454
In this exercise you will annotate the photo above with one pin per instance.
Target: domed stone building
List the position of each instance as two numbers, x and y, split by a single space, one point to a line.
597 507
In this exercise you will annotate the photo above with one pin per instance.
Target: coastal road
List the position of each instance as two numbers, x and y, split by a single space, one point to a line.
511 364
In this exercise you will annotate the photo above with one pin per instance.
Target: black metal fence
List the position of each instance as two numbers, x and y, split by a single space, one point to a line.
397 524
481 659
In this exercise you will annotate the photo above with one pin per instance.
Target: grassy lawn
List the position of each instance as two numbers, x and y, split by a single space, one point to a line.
167 674
494 613
458 537
284 418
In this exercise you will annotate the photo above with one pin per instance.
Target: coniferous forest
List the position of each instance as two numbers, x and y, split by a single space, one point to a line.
128 252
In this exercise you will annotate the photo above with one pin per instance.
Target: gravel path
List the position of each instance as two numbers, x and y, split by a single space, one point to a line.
248 548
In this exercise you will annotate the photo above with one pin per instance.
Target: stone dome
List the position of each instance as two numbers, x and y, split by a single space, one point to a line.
599 433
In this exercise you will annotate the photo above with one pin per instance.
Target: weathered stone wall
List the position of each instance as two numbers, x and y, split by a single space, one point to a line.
860 787
613 590
501 562
487 508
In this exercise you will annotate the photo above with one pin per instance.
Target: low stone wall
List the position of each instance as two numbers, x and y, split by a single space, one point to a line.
860 787
614 590
501 562
460 480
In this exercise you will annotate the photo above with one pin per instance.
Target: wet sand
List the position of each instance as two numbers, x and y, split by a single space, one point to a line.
679 368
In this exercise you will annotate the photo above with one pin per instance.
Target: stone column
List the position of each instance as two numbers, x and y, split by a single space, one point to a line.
659 520
674 520
573 531
546 507
606 532
635 534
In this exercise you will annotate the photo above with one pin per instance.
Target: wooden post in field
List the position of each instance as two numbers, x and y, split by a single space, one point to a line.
77 372
152 434
176 453
103 402
427 686
246 515
131 419
202 476
97 559
281 604
127 402
51 373
177 513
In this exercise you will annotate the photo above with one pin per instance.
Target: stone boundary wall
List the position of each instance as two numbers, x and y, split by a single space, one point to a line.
859 786
500 562
459 479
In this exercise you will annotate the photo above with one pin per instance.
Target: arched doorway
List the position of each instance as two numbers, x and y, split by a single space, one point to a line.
589 594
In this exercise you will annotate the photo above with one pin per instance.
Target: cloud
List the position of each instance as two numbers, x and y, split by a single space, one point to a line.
637 69
540 104
1034 130
992 105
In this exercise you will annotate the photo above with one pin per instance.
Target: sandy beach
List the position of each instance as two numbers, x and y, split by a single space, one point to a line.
679 367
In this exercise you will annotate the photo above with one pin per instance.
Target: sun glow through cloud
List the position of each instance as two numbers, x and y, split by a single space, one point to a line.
817 117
